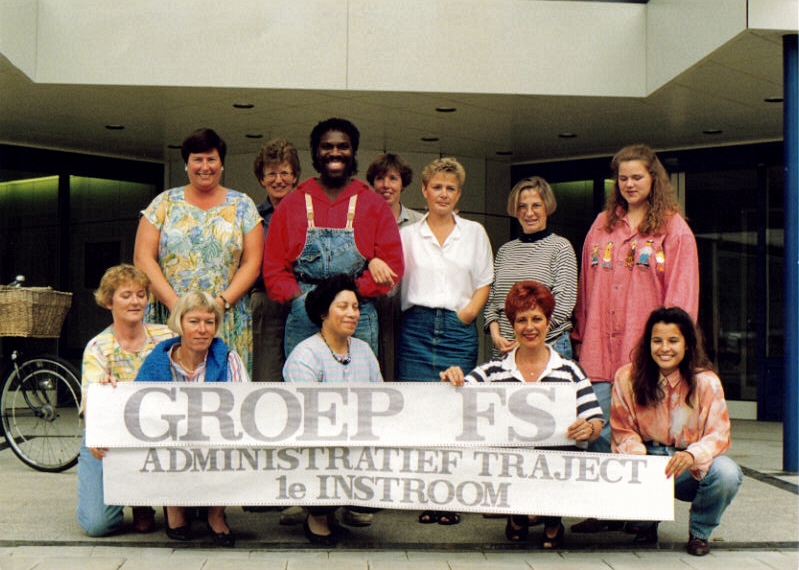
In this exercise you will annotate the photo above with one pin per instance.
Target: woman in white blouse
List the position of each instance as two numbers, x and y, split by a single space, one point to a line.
448 274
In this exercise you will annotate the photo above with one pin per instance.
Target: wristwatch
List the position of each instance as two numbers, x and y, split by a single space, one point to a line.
226 304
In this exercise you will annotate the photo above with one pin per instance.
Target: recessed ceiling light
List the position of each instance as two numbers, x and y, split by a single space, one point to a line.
567 136
254 136
113 127
504 152
429 139
773 99
243 105
712 131
446 109
174 146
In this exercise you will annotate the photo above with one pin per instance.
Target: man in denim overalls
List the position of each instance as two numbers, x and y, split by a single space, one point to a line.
332 224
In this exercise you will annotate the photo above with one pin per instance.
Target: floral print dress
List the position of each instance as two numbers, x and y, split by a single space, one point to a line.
200 250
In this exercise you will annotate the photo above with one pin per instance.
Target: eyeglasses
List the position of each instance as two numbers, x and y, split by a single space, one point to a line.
284 174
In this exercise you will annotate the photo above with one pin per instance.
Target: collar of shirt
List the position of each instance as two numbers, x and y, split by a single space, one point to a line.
265 206
534 237
403 215
426 232
672 379
311 186
509 363
186 375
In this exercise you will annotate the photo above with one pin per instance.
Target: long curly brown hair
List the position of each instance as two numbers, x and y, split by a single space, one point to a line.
662 203
645 374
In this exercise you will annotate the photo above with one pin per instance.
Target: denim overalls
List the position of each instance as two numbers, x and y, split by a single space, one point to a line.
327 252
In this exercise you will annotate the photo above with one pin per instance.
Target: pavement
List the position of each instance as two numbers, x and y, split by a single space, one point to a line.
760 530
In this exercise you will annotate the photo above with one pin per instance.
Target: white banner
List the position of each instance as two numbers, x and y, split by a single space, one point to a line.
576 484
138 414
398 446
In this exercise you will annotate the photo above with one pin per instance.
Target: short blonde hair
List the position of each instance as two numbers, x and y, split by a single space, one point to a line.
445 165
195 300
537 184
116 276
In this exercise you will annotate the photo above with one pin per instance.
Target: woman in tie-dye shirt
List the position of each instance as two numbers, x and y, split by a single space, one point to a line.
670 402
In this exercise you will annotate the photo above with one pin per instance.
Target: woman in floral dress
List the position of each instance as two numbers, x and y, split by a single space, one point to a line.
203 237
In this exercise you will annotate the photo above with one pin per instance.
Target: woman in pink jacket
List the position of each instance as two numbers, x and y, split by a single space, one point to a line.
638 255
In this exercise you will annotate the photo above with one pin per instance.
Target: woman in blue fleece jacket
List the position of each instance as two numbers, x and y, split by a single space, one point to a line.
197 355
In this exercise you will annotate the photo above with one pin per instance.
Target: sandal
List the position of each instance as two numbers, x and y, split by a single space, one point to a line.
448 518
517 528
552 542
318 539
428 517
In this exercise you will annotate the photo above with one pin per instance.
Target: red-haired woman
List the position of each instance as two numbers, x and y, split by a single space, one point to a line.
529 307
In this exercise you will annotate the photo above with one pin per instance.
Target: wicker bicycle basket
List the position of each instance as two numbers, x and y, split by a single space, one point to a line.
37 312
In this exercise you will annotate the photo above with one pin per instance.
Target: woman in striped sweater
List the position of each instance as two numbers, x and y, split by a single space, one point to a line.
537 254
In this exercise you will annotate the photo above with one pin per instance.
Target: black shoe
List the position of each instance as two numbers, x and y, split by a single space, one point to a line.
553 542
517 528
179 533
631 528
320 539
143 519
697 546
221 539
647 535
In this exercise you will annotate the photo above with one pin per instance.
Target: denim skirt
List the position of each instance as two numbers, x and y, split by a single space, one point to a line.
431 341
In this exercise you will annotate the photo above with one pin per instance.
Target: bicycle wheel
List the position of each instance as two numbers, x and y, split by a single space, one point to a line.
40 406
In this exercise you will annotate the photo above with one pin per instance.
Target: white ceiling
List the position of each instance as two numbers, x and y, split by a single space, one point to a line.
724 91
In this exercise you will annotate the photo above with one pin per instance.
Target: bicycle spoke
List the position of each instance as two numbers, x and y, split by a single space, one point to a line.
40 413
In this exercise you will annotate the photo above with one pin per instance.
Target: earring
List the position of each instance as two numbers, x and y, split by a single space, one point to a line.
186 167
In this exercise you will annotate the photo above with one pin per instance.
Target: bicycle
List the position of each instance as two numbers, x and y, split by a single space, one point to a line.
41 395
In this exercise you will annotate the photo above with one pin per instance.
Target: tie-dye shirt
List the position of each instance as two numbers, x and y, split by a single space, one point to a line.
702 428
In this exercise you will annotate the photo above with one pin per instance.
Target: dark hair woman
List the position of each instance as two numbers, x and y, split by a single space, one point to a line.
669 401
203 237
332 355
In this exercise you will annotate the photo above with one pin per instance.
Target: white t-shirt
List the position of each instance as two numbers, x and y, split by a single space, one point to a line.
445 276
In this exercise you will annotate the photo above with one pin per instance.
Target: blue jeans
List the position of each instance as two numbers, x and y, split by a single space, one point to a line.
563 345
431 341
94 516
603 392
709 497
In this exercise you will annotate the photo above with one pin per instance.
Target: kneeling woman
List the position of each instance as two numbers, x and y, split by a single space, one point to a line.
529 307
669 401
331 355
114 356
197 355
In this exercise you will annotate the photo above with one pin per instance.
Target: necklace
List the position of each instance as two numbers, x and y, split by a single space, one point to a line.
534 367
179 359
340 359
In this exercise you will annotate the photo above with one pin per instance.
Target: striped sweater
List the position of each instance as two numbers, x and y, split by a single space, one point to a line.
558 369
545 257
